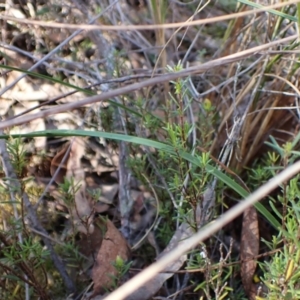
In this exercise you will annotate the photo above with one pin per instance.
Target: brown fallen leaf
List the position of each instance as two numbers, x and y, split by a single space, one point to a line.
249 249
89 243
113 245
57 162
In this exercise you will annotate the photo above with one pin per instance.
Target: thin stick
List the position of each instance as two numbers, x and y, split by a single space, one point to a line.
150 27
149 82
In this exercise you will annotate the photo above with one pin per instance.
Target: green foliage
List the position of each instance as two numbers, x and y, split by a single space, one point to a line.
26 265
180 168
68 189
271 11
16 150
216 276
177 159
280 276
122 268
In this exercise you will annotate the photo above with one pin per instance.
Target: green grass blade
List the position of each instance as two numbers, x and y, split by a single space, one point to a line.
48 78
271 11
56 80
157 145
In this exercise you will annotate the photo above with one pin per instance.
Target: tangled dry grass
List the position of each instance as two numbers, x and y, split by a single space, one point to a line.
240 77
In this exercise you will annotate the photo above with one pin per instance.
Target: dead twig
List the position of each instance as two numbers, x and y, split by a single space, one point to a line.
157 80
148 27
